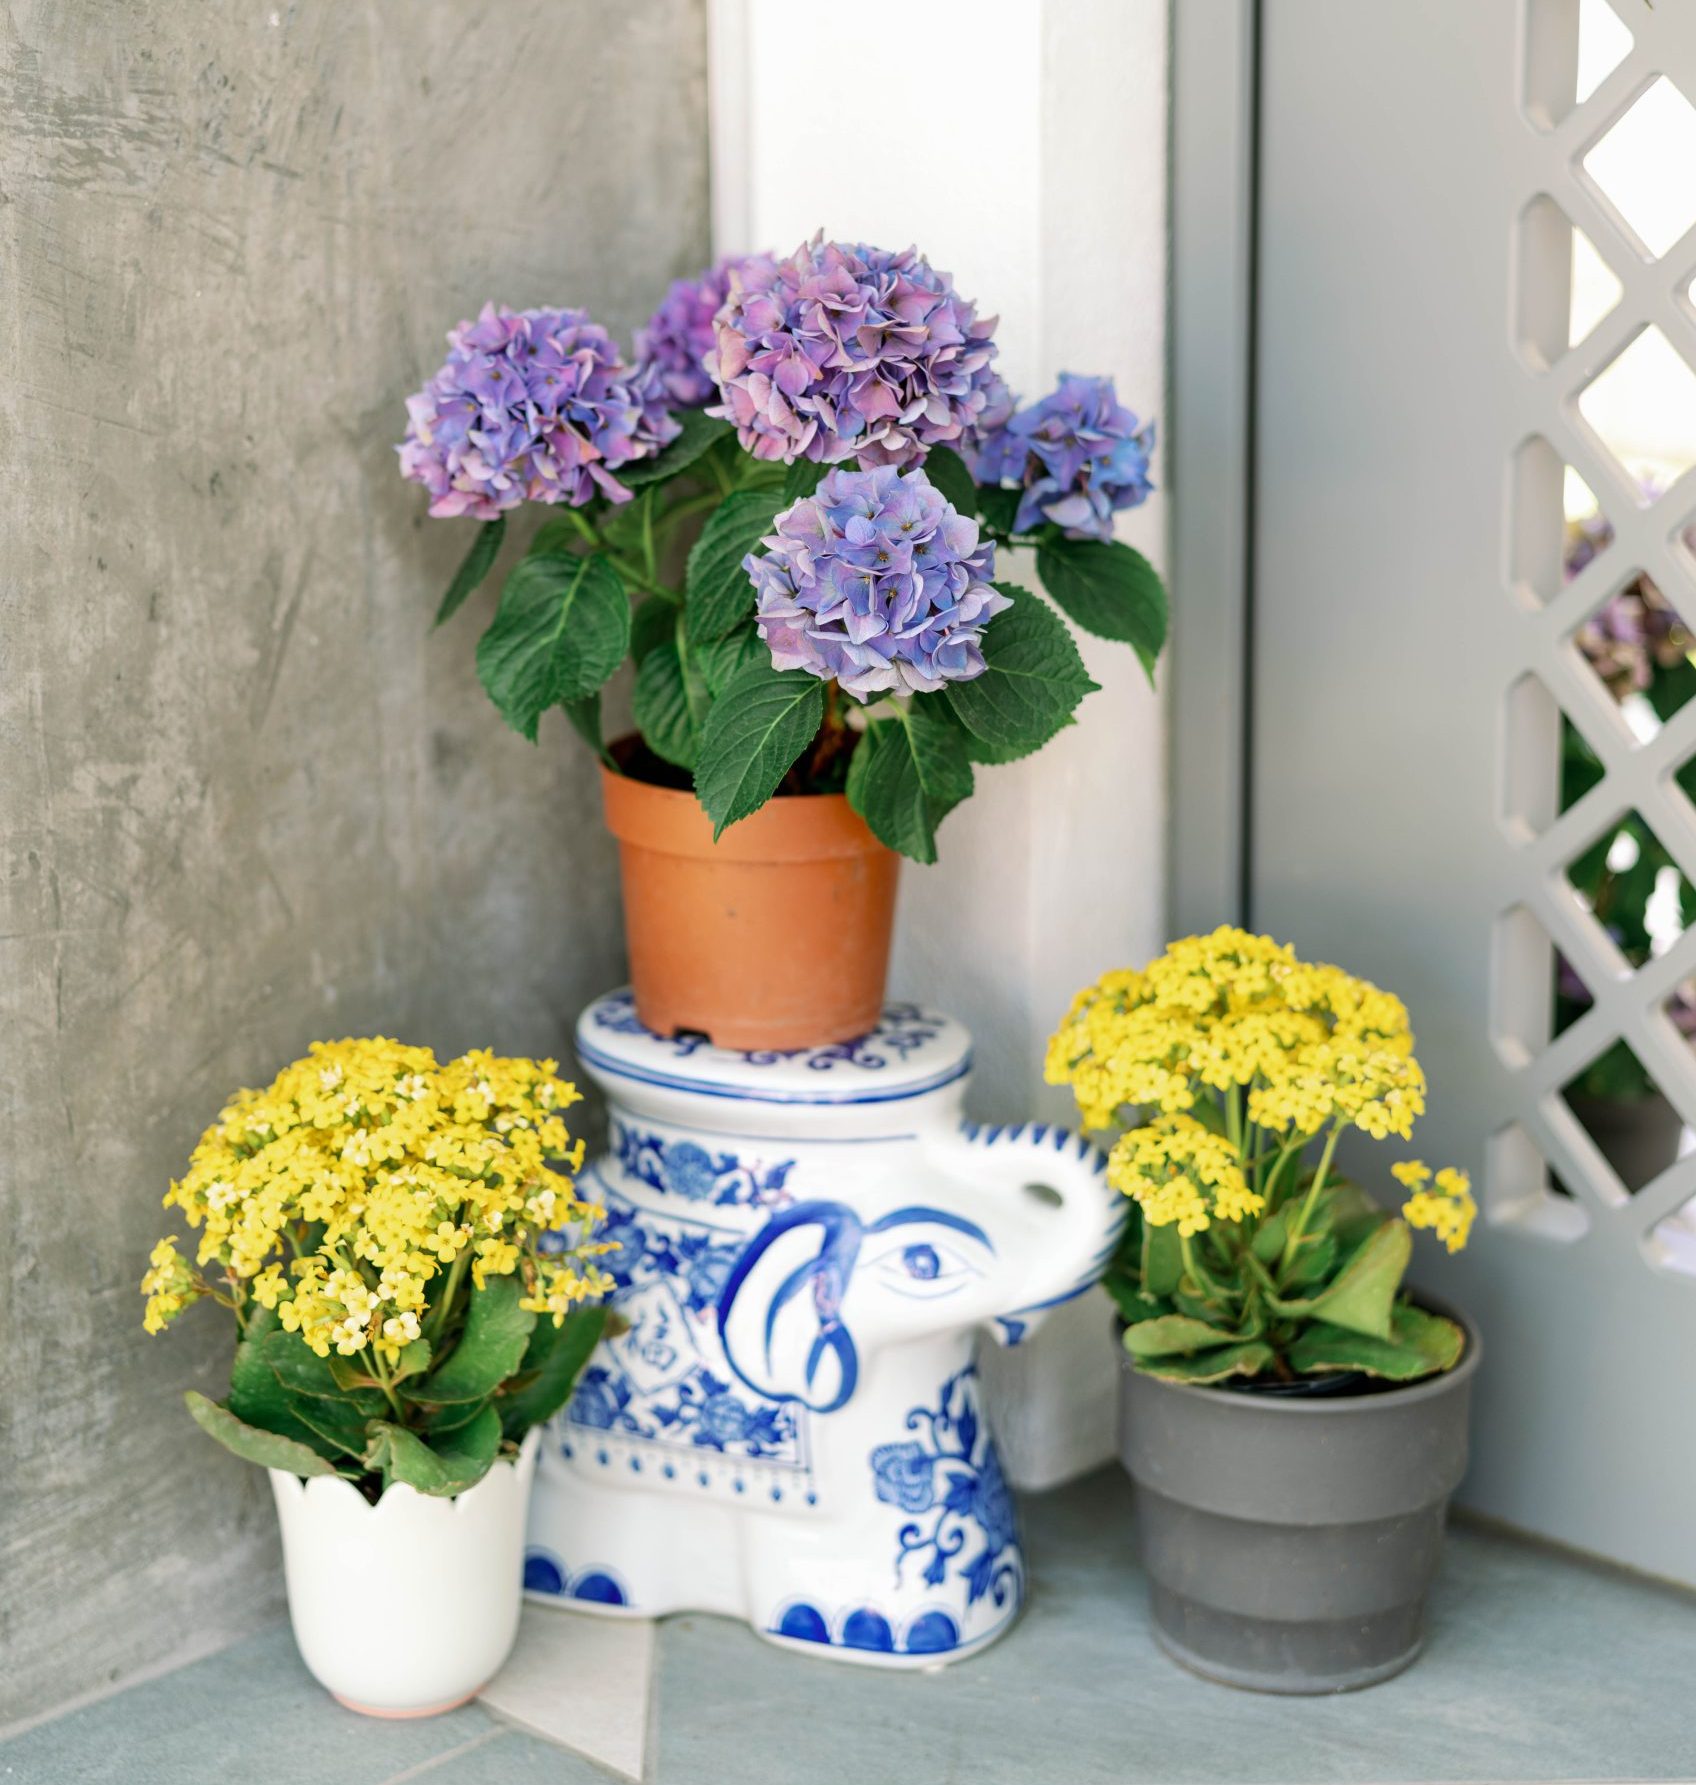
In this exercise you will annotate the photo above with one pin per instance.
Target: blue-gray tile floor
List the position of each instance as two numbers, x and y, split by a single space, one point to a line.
1539 1667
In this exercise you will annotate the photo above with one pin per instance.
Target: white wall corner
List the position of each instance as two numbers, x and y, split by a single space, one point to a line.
1056 221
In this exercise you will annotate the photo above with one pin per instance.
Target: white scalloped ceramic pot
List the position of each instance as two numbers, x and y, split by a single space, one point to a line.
408 1607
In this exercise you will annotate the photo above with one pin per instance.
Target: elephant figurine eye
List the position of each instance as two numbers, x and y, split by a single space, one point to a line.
923 1270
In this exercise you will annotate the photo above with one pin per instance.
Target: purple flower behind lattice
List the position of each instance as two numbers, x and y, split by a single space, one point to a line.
531 406
877 582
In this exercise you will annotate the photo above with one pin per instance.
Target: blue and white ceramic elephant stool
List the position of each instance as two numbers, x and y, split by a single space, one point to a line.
788 1429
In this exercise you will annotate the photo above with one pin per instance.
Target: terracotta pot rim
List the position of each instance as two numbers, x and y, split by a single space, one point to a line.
789 828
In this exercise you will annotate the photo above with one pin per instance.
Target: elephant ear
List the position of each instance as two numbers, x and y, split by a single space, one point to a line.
780 1316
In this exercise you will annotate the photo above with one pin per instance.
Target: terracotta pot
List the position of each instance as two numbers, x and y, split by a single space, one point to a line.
776 936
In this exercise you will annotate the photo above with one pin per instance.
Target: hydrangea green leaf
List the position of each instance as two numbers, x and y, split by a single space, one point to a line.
998 507
552 1363
474 566
701 432
270 1450
562 628
803 477
947 470
1109 589
585 717
670 704
906 775
717 590
757 728
653 624
489 1349
721 661
1033 677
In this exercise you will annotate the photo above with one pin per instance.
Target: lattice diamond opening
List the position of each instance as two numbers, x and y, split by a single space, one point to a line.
1572 47
1521 1191
1631 161
1553 317
1642 409
1558 527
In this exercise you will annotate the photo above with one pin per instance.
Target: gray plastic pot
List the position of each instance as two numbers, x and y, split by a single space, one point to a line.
1290 1542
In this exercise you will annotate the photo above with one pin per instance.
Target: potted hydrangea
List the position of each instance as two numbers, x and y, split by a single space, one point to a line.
785 507
409 1275
1294 1419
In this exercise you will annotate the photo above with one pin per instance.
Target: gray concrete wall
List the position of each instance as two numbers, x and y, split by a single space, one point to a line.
246 799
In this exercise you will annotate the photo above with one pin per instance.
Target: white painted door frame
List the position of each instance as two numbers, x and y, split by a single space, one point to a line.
1038 180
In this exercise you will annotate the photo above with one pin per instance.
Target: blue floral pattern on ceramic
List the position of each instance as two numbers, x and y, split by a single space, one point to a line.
784 1424
687 1169
663 1379
900 1030
952 1474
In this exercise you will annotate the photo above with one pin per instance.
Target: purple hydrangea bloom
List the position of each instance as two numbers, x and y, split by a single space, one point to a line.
1080 454
877 582
531 406
851 352
679 335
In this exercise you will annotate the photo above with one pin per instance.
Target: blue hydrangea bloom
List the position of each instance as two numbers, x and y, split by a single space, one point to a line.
846 351
877 582
1079 454
677 338
531 406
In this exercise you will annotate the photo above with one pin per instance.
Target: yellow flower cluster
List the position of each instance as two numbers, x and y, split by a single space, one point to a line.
342 1192
1312 1045
1181 1173
1443 1204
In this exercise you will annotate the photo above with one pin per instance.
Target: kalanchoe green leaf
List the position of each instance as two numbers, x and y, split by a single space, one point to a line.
1252 1359
555 1358
1162 1259
1108 589
753 735
338 1425
1174 1335
1418 1344
489 1350
1364 1291
268 1449
302 1372
257 1397
562 628
906 775
450 1465
1032 680
716 589
474 566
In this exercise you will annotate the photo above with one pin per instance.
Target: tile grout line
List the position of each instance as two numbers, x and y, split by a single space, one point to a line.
517 1725
425 1767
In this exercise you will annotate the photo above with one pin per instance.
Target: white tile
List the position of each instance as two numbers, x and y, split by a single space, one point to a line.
581 1681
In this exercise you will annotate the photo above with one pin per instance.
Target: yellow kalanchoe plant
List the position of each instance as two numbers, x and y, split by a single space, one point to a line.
1224 1063
409 1268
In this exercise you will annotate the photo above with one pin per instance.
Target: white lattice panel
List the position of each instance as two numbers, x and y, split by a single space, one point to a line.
1567 149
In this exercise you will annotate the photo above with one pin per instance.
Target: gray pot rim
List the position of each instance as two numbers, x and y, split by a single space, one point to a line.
1341 1406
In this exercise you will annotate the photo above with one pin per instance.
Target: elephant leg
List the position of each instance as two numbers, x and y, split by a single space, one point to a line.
629 1550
